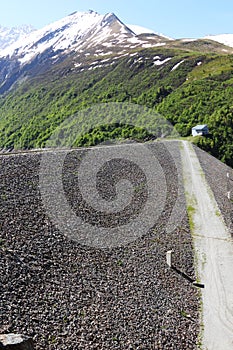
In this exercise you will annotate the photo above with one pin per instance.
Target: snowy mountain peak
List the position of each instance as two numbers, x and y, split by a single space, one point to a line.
59 35
84 38
77 32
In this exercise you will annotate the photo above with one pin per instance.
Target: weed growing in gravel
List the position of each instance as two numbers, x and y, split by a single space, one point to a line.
191 211
200 336
120 263
183 313
140 187
115 339
3 197
52 339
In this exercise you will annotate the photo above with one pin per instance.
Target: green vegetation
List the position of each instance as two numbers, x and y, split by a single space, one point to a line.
184 314
199 90
206 101
191 211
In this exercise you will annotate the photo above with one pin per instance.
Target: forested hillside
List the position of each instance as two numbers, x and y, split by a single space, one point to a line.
186 87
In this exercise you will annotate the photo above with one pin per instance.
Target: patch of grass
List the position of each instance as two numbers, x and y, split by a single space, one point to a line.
216 66
191 211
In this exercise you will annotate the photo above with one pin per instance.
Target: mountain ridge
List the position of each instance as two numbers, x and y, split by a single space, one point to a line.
82 35
70 32
226 39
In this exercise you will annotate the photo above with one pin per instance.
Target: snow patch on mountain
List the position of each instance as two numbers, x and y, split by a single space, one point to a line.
226 39
177 65
160 62
58 35
10 35
188 40
140 30
109 32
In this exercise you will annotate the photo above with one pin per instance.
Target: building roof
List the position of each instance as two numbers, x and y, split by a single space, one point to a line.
200 127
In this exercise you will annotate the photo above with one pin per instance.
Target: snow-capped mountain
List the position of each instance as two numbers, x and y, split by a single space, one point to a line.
226 39
87 39
10 35
77 32
80 35
83 33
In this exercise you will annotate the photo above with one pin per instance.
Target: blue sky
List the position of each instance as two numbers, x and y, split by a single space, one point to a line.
181 18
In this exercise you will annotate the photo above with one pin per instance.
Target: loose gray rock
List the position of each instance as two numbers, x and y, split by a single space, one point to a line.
67 295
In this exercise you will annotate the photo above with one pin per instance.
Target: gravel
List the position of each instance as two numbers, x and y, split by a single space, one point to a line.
71 296
216 175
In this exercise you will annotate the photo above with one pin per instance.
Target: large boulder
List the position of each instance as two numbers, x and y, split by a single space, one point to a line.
15 342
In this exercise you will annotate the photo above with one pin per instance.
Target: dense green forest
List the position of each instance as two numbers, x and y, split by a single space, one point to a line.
186 88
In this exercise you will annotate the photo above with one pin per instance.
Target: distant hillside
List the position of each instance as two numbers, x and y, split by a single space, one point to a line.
68 66
186 87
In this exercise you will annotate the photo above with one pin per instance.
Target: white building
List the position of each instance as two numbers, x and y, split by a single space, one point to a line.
200 130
